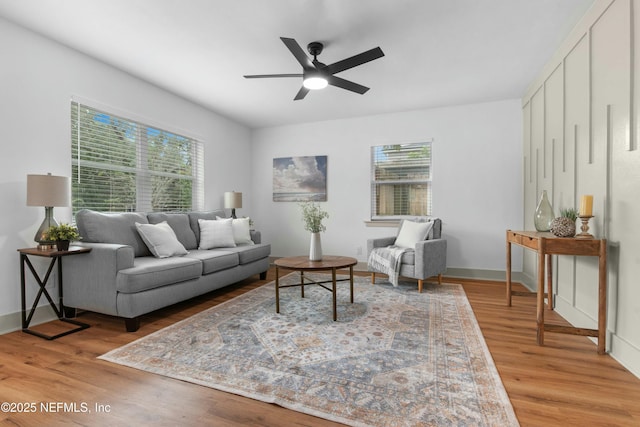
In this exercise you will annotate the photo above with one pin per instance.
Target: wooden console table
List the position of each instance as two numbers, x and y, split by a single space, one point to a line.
546 244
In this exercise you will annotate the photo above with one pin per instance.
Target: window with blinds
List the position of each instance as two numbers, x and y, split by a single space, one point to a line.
400 180
122 165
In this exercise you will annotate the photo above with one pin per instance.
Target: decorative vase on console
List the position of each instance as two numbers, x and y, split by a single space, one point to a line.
544 213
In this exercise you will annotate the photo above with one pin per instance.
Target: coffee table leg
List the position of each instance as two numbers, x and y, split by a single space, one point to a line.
277 291
351 282
302 284
335 308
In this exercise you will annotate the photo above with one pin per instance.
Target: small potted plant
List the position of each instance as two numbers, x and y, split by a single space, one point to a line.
62 234
565 224
312 214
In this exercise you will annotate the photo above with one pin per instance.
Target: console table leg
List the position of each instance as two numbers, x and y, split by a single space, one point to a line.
602 298
540 295
549 281
508 271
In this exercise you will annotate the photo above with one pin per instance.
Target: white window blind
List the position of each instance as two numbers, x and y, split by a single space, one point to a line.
401 180
124 165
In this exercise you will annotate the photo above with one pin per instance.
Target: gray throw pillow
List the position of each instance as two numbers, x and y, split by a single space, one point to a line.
179 222
161 239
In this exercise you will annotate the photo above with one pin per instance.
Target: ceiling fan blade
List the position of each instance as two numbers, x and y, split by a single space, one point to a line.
354 61
346 84
266 76
301 93
297 51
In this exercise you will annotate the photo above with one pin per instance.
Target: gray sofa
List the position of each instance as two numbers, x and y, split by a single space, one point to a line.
121 277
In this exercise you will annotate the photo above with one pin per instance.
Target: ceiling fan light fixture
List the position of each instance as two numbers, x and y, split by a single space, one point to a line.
315 82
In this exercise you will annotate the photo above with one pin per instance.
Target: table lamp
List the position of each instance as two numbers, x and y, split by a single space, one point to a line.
48 191
232 200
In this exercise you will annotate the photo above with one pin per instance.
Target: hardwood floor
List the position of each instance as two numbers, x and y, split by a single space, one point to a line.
563 383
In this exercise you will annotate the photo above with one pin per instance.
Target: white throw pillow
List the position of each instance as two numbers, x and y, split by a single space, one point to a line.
160 239
216 233
241 230
412 232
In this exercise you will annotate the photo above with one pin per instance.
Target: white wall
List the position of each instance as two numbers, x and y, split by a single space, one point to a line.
581 121
37 80
477 186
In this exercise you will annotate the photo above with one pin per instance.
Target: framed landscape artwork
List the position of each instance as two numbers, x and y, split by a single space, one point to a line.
300 179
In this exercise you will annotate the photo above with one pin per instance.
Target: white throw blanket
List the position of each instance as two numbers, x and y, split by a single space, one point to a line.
387 261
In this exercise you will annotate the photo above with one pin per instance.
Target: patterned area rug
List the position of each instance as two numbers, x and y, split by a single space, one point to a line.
394 358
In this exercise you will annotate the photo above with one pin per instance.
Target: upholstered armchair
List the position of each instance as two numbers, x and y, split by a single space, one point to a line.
428 258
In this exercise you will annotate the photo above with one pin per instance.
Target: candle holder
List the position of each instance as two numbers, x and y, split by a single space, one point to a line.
585 227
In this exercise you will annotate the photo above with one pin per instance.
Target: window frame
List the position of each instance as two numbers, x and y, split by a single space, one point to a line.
142 171
375 216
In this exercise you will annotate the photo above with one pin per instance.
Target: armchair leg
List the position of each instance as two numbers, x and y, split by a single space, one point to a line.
419 286
440 279
373 278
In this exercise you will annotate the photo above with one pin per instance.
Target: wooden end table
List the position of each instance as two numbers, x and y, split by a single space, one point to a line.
302 264
55 256
546 244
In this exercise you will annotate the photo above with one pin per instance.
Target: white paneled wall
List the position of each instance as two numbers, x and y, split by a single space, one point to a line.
580 137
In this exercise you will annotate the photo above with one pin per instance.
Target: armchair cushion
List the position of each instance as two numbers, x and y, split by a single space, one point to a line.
412 232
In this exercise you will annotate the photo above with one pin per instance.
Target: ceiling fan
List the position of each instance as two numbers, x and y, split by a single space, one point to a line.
316 75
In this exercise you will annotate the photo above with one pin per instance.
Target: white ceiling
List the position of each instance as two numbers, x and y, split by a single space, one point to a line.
437 52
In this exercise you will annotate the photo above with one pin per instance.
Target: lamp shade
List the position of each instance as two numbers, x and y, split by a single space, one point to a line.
232 200
48 190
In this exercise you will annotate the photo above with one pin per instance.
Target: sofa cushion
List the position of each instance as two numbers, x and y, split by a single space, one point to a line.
216 234
161 239
214 260
195 216
179 222
120 228
149 273
250 253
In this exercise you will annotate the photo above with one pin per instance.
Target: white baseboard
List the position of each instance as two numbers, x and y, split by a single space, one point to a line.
13 321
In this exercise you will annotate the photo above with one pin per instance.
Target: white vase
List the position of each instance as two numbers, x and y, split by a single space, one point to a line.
315 249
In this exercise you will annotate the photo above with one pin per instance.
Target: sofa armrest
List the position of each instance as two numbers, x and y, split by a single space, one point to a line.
90 279
380 242
256 236
431 258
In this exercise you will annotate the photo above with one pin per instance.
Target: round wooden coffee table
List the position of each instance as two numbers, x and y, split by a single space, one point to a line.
302 264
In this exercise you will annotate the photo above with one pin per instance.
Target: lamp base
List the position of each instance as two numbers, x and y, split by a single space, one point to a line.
48 221
233 213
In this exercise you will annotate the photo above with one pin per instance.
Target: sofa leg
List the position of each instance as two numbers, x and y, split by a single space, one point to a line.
69 312
440 279
373 278
132 324
419 286
263 275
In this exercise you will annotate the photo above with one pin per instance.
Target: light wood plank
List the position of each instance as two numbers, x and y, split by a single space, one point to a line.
565 382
